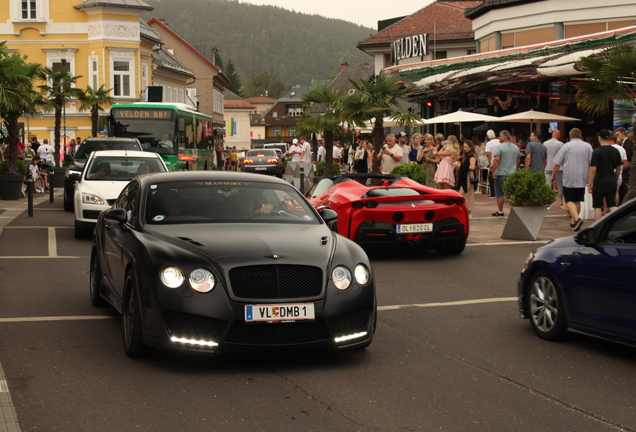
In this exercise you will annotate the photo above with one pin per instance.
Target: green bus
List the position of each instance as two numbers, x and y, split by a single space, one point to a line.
182 136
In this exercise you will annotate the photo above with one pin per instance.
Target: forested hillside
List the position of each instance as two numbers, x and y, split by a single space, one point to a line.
297 46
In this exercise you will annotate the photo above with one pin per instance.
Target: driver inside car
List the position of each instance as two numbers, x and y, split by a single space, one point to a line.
246 206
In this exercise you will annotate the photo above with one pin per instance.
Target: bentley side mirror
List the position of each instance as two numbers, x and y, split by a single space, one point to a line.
329 215
118 215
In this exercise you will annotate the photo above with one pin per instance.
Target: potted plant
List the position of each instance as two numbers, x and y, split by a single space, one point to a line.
529 195
18 98
413 171
11 185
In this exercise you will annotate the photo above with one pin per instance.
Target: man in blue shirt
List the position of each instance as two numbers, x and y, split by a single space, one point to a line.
505 162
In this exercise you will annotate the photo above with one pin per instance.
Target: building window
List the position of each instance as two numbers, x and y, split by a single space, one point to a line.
292 131
294 111
121 78
181 100
144 79
93 71
440 55
169 94
276 131
29 10
175 93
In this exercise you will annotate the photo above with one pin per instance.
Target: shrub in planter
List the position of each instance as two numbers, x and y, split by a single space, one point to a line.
21 168
411 170
527 189
320 168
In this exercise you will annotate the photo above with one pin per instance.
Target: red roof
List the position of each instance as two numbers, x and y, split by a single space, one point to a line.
442 20
186 44
237 103
261 100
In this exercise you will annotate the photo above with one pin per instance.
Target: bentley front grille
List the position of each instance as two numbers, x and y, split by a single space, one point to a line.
274 282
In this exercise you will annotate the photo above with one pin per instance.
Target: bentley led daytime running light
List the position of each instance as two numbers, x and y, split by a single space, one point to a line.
194 342
362 274
341 277
172 277
349 337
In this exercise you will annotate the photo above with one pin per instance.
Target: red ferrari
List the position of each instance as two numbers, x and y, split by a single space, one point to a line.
380 210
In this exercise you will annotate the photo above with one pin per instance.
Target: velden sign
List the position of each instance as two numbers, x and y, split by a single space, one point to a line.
408 47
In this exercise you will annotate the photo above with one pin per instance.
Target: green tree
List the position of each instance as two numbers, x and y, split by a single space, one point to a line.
233 76
17 97
610 76
324 116
378 97
263 83
94 101
57 87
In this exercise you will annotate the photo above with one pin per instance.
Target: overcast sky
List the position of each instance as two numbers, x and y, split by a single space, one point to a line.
363 12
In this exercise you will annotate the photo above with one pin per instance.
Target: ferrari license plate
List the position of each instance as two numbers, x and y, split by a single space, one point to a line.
279 312
414 228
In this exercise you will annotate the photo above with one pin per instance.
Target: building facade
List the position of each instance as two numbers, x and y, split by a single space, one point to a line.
237 122
104 42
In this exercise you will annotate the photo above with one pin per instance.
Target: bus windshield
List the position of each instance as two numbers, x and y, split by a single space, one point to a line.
154 135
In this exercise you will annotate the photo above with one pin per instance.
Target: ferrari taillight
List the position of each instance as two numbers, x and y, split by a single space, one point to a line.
361 204
451 201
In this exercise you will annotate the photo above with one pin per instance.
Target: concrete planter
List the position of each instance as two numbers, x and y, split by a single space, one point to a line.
11 186
524 223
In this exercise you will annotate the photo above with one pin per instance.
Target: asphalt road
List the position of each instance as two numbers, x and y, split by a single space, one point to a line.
450 354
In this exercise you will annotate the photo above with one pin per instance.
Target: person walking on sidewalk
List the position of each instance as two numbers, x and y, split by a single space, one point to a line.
506 158
605 168
575 157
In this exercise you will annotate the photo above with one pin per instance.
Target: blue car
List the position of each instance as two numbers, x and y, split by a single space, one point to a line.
585 283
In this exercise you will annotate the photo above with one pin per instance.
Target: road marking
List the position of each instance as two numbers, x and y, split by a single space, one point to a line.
38 257
52 243
454 303
53 318
36 226
509 243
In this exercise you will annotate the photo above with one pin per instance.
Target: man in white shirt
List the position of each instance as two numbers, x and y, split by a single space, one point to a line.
296 151
491 145
322 153
390 155
553 146
45 151
306 156
337 152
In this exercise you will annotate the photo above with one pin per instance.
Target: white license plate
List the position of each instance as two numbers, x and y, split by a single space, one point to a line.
414 228
260 169
279 312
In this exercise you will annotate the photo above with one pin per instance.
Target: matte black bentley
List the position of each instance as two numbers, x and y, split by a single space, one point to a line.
214 261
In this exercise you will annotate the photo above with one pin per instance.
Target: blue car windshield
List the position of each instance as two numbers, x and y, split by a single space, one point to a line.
226 202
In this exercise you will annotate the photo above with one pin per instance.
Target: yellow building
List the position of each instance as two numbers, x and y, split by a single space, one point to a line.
103 41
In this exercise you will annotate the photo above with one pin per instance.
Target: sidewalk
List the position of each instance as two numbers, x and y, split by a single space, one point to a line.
485 228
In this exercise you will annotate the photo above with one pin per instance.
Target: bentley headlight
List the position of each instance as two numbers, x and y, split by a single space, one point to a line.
92 199
201 280
341 277
362 274
172 277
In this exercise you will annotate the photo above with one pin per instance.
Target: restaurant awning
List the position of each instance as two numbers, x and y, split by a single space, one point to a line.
479 72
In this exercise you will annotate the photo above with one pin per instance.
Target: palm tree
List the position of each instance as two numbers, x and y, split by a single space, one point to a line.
610 76
377 98
324 116
17 97
58 89
94 101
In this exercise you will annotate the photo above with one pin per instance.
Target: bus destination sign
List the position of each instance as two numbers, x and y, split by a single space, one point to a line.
143 113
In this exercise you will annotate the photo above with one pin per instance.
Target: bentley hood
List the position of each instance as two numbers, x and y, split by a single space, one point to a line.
252 244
